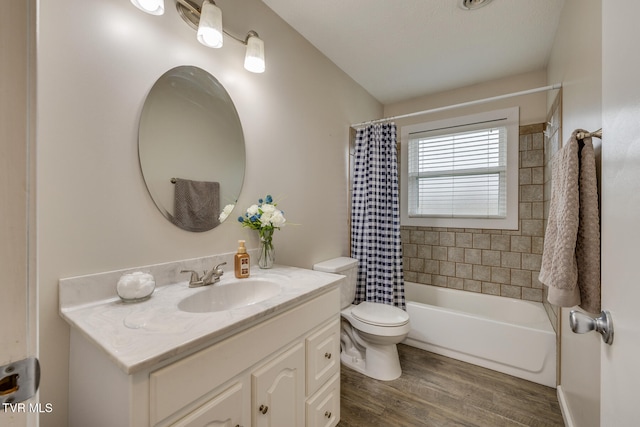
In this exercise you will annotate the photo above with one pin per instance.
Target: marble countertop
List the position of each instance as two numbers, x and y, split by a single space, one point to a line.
137 336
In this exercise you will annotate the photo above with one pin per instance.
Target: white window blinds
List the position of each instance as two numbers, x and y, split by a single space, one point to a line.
459 174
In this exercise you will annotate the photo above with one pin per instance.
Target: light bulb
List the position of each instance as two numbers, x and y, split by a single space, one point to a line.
254 58
210 26
152 7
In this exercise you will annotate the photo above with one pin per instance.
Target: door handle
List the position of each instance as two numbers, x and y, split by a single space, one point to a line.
581 323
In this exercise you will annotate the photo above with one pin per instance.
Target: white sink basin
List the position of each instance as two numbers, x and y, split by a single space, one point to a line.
229 296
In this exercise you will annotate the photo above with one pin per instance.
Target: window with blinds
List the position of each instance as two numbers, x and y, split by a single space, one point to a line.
461 172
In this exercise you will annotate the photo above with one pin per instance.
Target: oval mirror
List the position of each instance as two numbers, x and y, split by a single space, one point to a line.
191 148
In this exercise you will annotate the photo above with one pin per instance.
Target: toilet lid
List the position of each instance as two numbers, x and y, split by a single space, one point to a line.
380 314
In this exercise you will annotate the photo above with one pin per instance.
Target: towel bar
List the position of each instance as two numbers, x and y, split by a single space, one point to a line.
596 134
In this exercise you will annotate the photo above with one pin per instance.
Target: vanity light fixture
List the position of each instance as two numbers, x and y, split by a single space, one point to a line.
254 58
210 25
206 18
152 7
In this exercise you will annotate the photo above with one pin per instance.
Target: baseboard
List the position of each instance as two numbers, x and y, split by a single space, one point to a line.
566 414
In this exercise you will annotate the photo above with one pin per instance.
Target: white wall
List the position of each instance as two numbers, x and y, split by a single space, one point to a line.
96 62
576 62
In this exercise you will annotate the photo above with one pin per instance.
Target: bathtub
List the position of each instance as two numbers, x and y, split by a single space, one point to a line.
503 334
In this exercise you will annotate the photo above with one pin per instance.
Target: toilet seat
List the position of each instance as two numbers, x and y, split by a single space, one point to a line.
379 314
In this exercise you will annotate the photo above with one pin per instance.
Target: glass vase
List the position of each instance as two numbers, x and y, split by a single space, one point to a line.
266 257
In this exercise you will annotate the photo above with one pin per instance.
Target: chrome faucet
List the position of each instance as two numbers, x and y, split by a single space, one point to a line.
208 278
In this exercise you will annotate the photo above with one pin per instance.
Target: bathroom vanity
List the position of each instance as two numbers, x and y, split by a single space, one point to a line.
272 360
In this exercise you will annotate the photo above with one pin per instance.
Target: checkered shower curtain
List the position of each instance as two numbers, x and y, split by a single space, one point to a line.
375 217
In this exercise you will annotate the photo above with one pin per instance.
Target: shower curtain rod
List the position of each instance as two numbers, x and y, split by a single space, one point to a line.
463 104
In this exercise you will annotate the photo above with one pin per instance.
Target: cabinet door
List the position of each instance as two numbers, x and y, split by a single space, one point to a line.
224 410
278 390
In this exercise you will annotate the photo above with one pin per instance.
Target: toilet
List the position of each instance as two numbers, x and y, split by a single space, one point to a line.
369 331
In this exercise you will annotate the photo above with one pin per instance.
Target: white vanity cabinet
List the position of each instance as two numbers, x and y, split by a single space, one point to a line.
282 371
275 399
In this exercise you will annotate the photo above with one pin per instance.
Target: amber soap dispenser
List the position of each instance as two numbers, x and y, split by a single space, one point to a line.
241 262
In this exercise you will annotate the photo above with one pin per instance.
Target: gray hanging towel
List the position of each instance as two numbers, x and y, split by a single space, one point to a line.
571 254
588 241
196 204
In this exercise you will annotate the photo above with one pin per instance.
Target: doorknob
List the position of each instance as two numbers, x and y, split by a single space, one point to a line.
581 323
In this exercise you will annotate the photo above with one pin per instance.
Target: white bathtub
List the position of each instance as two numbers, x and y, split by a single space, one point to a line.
503 334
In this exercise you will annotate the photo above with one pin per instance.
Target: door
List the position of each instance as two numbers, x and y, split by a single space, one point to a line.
620 367
17 237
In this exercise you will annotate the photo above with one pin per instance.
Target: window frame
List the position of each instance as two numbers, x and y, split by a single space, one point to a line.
509 118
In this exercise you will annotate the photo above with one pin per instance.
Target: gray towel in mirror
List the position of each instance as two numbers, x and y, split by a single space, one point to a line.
196 204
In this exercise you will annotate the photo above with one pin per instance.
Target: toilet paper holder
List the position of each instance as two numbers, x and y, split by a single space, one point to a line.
581 323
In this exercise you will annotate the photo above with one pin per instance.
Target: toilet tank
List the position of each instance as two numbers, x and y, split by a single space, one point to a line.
347 267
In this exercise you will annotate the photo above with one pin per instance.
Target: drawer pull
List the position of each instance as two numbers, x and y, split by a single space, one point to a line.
327 414
327 355
263 409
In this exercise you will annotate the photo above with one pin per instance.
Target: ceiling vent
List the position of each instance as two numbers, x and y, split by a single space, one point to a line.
473 4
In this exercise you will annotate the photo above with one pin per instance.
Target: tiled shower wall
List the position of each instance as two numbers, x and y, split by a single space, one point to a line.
496 262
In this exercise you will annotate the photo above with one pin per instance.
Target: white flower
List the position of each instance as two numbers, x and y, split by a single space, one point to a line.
225 212
252 210
267 208
277 219
265 219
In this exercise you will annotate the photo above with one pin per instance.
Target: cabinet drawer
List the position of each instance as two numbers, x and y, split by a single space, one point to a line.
226 409
323 355
323 409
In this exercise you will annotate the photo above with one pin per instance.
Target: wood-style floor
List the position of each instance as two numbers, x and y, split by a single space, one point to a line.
439 391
